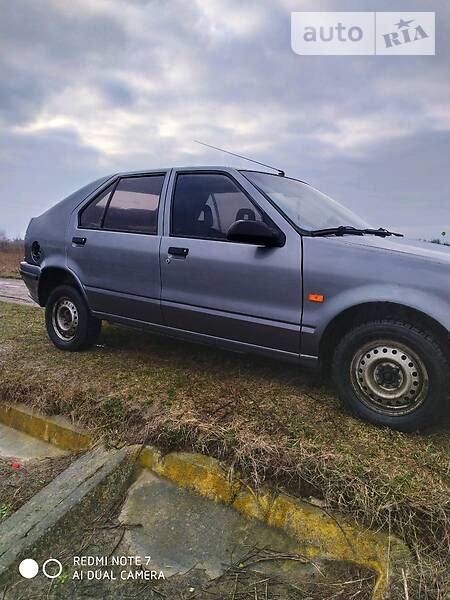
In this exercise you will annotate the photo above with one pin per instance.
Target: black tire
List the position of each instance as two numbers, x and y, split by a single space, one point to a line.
80 329
418 369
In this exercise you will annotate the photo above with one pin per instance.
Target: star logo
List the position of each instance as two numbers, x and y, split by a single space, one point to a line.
403 23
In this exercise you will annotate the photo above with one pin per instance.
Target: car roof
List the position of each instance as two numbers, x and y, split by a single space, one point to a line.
185 168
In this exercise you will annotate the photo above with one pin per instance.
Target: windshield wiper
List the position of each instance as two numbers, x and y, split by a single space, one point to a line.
349 230
382 232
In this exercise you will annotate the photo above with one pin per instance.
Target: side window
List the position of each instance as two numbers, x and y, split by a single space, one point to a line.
205 205
134 205
92 215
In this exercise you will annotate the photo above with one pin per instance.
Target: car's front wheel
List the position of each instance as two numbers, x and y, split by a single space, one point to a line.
392 373
69 323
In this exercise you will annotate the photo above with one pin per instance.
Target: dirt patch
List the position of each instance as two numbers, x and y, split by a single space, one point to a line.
269 420
21 480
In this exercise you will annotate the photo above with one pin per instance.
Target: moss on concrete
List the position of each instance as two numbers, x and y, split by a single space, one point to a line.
54 430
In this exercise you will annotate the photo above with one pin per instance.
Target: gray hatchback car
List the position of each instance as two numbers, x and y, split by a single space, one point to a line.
251 261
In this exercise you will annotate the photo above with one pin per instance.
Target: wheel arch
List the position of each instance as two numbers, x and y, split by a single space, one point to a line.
369 311
51 277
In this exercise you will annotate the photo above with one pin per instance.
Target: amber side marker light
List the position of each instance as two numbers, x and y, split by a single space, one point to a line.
316 297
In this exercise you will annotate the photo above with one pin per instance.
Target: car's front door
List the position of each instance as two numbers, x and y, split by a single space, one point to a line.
234 291
113 248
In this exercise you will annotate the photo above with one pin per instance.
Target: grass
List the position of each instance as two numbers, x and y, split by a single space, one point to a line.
9 262
271 421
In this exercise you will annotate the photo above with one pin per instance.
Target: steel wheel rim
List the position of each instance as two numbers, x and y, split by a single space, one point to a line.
389 377
65 319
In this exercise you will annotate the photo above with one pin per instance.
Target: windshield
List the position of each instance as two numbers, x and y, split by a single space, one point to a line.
305 206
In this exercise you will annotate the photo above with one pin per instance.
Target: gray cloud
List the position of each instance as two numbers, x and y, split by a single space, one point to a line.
102 85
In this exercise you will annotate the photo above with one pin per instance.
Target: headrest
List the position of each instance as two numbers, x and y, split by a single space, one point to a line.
245 214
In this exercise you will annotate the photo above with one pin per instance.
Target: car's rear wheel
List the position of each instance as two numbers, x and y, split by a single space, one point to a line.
69 323
392 373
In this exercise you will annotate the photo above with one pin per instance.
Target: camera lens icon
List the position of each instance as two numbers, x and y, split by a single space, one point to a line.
51 568
53 572
28 568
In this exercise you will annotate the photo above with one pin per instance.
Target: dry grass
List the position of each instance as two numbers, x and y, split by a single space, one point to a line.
337 581
27 478
269 420
9 261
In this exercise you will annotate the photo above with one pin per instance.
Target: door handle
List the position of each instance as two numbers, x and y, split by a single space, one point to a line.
79 241
180 252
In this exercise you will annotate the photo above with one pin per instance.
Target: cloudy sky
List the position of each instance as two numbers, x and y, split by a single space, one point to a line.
90 87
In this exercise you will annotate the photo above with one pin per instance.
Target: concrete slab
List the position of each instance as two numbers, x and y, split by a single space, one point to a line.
15 444
83 484
182 531
14 290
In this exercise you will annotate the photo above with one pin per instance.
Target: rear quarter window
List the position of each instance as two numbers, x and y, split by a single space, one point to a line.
129 205
91 217
134 205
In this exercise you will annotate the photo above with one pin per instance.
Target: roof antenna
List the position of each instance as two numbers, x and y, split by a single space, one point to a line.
279 171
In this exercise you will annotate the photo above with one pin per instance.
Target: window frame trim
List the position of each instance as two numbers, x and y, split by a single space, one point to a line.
114 185
238 185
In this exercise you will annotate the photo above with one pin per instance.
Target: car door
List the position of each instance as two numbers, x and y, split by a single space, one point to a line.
113 248
233 291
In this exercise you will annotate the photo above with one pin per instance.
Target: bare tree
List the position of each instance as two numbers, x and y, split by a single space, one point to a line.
3 240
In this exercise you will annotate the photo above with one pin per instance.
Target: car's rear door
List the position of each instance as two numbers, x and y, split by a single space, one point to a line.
233 291
113 247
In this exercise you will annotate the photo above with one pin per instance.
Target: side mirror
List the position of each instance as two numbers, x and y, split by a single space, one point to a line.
254 232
